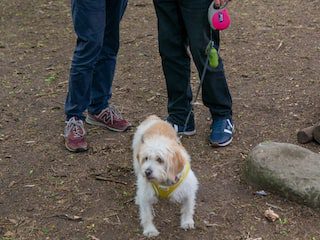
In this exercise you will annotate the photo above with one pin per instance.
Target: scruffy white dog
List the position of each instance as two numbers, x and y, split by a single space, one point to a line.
162 167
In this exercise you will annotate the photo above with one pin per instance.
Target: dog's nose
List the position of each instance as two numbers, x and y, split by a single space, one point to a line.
148 172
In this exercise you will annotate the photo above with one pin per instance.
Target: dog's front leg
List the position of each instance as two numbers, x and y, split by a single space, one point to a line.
187 211
146 216
145 199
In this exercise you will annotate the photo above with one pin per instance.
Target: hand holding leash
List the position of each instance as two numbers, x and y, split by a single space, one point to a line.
220 3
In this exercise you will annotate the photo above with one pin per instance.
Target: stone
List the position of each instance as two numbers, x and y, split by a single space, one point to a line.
287 169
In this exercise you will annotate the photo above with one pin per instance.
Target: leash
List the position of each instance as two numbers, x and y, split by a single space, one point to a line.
199 87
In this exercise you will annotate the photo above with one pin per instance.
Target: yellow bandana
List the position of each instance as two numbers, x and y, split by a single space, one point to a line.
164 192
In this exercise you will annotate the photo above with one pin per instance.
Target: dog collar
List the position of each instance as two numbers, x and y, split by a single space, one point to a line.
164 192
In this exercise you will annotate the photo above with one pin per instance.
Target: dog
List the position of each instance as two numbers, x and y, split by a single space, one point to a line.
162 167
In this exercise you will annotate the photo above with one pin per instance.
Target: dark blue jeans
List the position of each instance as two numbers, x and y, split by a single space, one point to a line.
96 24
183 24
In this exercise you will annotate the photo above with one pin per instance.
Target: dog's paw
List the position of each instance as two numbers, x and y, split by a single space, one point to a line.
151 232
187 224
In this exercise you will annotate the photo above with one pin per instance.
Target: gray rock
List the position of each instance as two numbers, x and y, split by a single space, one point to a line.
290 170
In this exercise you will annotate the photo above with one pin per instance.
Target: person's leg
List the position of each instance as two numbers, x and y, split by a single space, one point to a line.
89 24
175 60
215 91
104 70
99 111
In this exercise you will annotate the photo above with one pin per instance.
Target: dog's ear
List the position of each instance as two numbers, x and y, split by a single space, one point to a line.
139 157
175 164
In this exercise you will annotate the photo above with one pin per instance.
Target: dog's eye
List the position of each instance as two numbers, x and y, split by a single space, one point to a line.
159 160
145 159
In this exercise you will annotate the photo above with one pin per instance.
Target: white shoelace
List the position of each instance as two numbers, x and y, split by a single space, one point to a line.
76 126
113 114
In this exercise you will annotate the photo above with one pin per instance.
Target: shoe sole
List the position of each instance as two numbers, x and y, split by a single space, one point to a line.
214 144
75 150
91 121
190 133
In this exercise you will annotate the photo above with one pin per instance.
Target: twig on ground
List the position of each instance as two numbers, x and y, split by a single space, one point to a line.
68 217
280 45
100 178
93 237
130 200
275 207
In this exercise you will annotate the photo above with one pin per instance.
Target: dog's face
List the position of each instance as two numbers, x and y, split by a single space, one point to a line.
160 160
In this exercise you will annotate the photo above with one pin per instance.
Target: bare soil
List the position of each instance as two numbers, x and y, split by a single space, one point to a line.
271 56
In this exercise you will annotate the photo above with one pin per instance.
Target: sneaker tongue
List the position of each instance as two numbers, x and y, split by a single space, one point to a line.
218 124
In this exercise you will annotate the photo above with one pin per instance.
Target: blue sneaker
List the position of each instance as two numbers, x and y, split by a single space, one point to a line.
222 132
189 131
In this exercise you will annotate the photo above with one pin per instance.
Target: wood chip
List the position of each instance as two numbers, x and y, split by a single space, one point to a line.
271 215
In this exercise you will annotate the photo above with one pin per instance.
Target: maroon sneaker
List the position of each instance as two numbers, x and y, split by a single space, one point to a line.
109 118
74 135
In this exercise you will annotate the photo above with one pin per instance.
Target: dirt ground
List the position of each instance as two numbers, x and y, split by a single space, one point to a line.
271 56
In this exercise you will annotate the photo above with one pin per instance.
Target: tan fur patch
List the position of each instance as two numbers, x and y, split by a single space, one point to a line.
161 128
176 163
